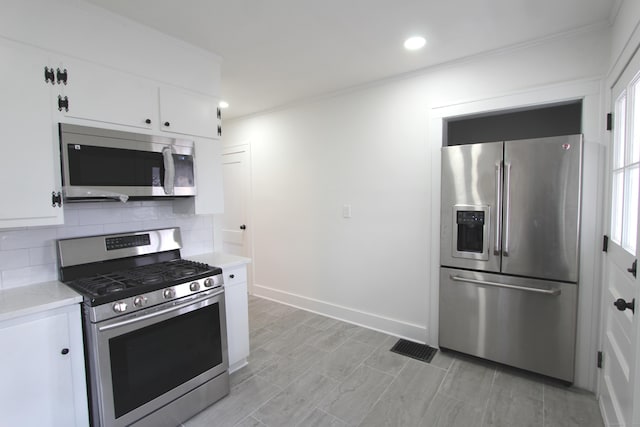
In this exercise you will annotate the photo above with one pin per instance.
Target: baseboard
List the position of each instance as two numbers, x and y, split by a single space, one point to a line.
409 331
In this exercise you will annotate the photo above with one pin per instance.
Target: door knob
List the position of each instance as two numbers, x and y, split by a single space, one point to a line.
243 227
622 305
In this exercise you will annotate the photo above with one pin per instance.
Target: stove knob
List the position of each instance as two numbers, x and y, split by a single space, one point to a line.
169 293
208 282
140 301
120 307
194 286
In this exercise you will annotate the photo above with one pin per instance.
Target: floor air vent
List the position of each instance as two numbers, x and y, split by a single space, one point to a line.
415 350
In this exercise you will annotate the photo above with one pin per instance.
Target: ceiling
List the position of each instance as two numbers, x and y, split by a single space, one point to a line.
280 51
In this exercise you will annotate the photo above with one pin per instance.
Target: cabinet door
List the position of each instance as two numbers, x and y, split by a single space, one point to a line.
98 93
38 385
236 303
188 113
29 164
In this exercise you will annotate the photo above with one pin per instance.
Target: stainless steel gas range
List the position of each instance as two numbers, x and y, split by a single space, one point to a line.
154 327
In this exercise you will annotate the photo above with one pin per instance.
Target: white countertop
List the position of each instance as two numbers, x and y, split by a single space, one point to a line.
24 300
219 259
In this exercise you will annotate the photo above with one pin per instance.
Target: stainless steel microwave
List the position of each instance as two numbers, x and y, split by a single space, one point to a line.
102 164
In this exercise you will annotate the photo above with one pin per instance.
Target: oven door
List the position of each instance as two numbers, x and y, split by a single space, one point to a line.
142 362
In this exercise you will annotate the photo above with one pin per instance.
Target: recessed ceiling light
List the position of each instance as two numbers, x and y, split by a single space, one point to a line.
414 43
223 104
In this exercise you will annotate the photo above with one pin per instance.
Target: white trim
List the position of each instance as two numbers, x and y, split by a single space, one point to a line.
588 90
398 328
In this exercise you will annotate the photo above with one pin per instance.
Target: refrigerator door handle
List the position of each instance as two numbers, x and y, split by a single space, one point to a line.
496 244
552 292
507 203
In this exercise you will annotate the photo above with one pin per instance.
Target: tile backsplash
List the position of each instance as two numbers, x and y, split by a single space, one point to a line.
28 255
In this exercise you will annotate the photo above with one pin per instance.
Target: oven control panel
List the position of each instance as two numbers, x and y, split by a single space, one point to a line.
132 241
167 296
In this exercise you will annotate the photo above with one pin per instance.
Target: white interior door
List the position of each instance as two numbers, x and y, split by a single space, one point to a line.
235 227
620 376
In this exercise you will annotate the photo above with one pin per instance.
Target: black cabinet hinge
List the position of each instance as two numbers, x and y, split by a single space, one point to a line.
49 76
61 76
63 103
609 121
219 130
605 243
599 361
56 199
219 113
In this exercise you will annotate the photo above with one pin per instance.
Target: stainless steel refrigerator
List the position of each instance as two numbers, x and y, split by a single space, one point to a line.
509 252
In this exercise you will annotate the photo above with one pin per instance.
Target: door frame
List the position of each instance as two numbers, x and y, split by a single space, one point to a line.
589 297
231 149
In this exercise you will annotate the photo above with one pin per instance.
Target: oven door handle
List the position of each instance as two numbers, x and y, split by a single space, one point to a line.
157 313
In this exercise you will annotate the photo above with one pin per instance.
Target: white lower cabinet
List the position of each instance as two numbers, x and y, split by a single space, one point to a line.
236 304
42 370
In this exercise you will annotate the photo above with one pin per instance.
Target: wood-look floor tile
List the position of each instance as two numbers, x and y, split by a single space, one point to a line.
383 359
370 337
297 401
469 381
241 401
329 340
508 409
344 360
445 411
407 398
260 337
518 383
321 322
319 418
567 407
356 395
250 422
257 360
285 369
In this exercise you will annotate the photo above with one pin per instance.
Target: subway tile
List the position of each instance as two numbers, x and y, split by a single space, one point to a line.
28 275
42 255
28 238
13 259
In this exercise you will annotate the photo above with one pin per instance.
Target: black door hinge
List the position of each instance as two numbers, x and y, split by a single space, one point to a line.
63 103
605 243
61 76
49 76
56 199
219 113
609 121
219 130
600 357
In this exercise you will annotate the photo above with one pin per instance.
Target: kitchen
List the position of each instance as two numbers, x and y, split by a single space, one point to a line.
308 161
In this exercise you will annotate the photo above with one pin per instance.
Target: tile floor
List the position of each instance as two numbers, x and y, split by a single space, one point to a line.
309 370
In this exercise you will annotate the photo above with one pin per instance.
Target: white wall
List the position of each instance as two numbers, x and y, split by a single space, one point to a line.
371 148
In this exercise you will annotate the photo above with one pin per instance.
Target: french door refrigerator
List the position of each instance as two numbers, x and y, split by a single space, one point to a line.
510 220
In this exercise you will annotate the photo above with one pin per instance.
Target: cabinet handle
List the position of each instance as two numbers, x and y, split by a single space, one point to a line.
64 351
231 276
148 121
167 124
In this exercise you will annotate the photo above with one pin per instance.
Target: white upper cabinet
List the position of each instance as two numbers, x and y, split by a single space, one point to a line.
188 113
29 165
98 93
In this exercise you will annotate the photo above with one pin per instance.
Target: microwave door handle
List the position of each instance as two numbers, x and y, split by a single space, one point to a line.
496 244
507 210
169 169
